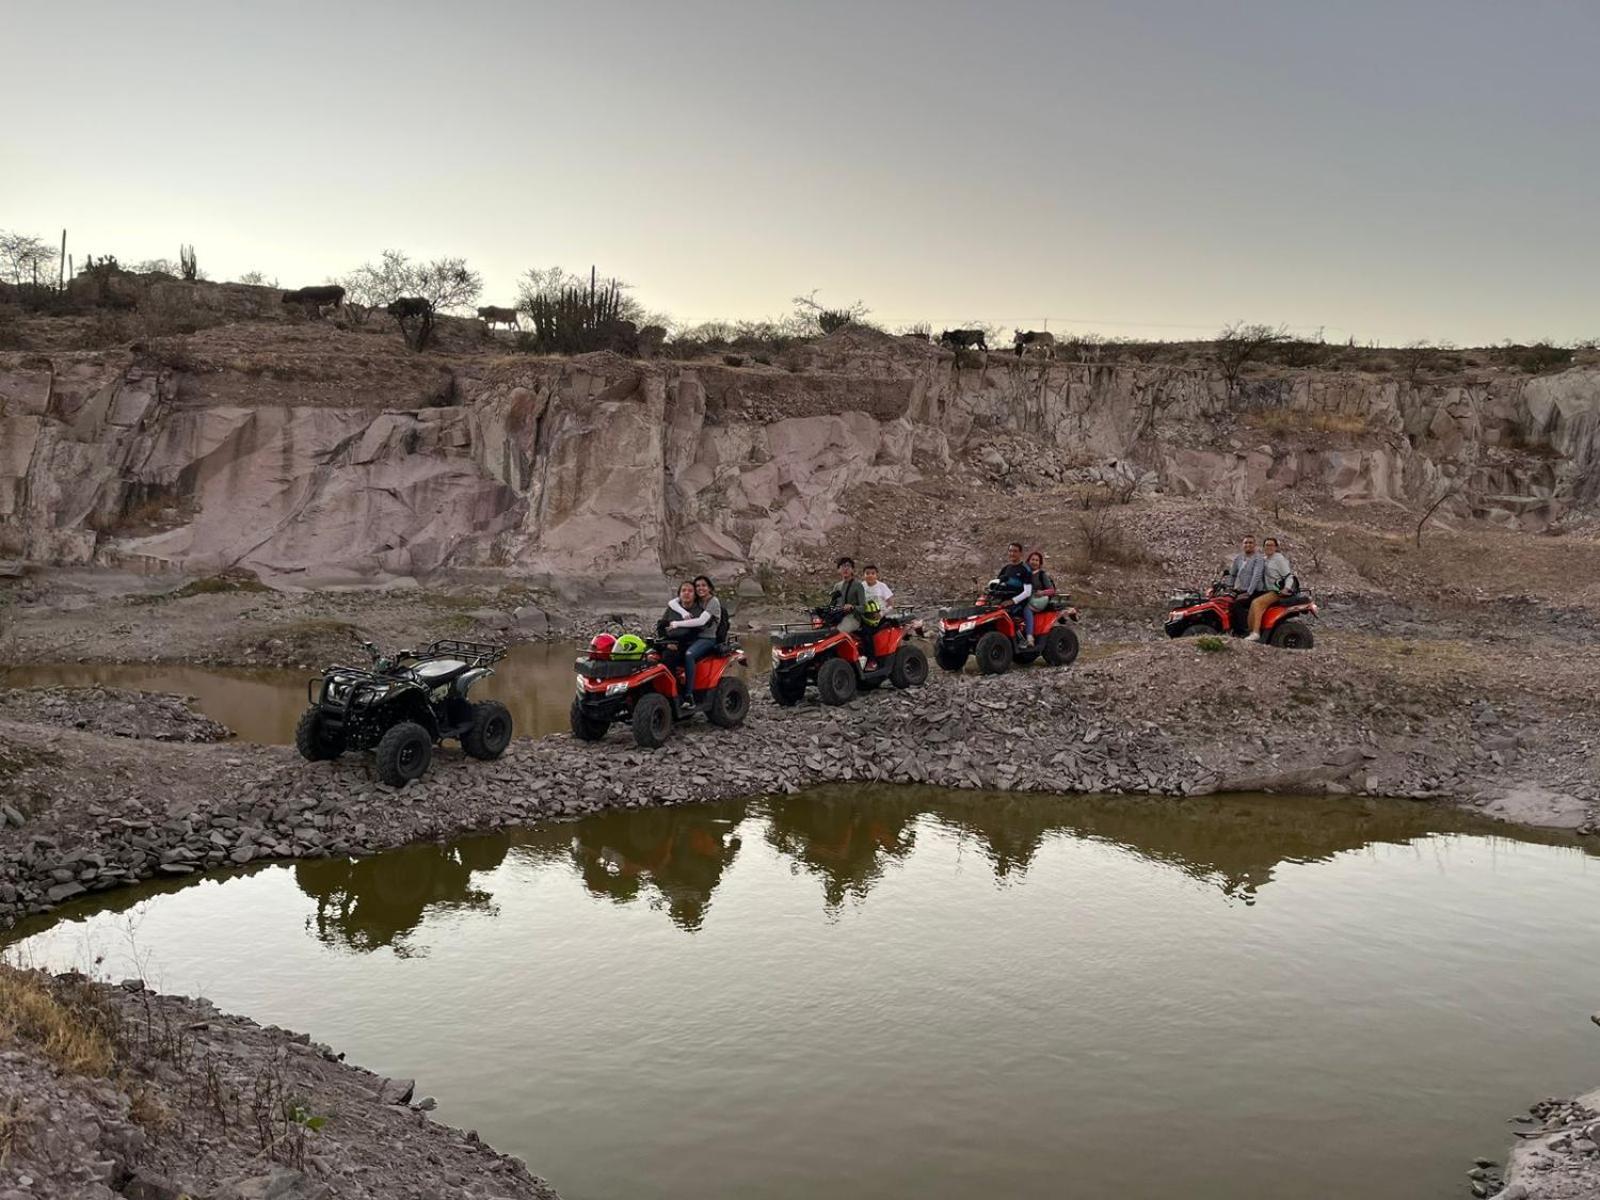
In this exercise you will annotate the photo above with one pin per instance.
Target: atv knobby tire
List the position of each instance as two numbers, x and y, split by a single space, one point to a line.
788 688
994 653
910 666
491 730
652 721
951 658
585 728
403 754
1293 635
836 682
1201 629
730 703
313 740
1061 646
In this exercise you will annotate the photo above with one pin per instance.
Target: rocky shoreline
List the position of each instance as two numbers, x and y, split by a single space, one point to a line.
116 1091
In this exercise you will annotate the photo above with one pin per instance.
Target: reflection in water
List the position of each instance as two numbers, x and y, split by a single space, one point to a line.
680 854
368 903
673 859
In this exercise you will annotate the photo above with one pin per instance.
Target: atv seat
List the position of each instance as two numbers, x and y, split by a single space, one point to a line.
1290 600
435 671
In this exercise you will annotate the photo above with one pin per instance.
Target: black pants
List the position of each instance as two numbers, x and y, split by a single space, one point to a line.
1239 615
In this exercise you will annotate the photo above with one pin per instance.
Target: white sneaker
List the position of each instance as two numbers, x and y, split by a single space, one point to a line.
1254 637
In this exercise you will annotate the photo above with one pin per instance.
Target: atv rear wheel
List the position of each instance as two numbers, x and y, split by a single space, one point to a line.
836 681
652 721
788 688
491 730
584 727
1293 635
951 658
995 653
730 703
403 754
315 741
910 667
1061 646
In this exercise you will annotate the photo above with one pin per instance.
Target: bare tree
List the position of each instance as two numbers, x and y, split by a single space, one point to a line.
447 283
1447 489
26 257
1239 344
810 311
257 279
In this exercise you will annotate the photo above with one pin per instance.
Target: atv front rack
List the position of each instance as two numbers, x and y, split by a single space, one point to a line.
474 654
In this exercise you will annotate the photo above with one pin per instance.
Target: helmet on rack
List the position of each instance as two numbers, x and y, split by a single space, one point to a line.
602 645
628 646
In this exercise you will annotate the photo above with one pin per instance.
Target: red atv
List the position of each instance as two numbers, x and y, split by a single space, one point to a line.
818 651
988 630
648 693
1196 614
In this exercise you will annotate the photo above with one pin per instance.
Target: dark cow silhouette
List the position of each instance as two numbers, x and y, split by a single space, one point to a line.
493 316
958 339
330 294
1031 340
407 307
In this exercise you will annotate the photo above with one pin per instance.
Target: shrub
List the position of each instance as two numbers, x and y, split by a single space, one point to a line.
1210 644
1239 344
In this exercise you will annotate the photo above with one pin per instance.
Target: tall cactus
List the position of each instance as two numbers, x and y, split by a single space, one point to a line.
575 319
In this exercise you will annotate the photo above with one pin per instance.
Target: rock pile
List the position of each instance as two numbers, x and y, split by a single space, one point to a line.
113 711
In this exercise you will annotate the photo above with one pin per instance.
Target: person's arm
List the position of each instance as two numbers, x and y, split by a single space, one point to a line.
693 622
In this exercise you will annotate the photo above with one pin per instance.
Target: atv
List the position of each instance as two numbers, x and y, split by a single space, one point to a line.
988 630
818 651
1198 614
649 694
401 707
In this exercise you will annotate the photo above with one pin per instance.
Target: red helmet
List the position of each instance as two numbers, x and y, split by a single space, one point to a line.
601 646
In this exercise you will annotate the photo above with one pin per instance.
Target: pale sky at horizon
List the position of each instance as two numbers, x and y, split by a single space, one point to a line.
1417 169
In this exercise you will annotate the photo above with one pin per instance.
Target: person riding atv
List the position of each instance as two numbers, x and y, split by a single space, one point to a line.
631 683
995 632
822 651
1216 611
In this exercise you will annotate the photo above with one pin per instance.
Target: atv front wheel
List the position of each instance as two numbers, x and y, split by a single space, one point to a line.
1201 629
584 727
787 688
995 652
951 658
836 682
1061 646
652 721
315 741
1293 635
729 703
910 667
491 730
404 754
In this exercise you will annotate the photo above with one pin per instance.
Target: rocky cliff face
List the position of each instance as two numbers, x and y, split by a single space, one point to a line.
611 471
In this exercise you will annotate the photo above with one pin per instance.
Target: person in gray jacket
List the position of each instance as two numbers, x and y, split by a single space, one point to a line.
1277 572
1246 579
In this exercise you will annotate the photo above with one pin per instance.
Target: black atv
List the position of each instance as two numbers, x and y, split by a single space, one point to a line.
402 706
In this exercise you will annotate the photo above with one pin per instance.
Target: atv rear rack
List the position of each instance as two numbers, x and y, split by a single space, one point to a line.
475 654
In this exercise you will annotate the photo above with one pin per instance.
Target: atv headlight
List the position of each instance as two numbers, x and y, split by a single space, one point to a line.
616 689
805 654
966 627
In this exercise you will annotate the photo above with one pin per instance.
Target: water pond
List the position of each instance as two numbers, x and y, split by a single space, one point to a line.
868 993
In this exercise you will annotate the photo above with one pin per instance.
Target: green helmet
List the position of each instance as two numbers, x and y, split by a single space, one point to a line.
874 610
629 646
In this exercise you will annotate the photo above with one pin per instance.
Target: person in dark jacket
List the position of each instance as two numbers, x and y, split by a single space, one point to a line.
682 607
705 625
1018 582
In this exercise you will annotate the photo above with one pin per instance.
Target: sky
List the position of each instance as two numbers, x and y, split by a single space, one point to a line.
1388 171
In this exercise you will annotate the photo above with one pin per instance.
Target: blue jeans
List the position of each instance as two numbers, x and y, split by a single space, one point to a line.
692 654
1025 611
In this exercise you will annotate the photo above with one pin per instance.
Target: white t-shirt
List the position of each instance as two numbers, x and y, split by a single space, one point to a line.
879 591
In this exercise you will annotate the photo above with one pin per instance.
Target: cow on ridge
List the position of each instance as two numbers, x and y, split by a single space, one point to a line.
1034 340
492 316
960 339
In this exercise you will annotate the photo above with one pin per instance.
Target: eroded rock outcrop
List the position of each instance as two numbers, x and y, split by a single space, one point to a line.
610 471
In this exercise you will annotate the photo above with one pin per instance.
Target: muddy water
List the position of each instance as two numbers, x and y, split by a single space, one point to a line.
860 993
262 705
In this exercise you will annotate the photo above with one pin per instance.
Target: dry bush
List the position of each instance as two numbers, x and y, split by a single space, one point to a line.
62 1019
1284 420
1239 344
1103 540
